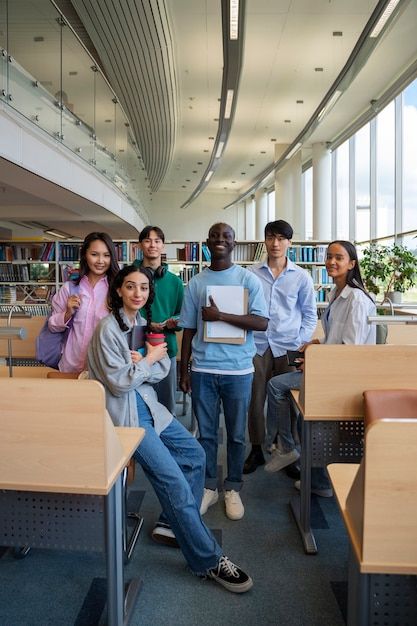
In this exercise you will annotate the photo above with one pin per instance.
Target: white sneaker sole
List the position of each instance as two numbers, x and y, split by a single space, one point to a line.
206 505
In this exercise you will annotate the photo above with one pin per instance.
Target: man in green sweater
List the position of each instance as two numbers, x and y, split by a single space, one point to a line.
166 306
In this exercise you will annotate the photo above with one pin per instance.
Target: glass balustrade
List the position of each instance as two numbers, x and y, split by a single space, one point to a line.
49 77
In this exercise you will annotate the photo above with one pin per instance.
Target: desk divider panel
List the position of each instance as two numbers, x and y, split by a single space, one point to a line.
389 540
25 347
56 436
335 376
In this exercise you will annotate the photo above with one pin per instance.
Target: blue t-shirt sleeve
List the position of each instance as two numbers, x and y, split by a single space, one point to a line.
189 308
257 304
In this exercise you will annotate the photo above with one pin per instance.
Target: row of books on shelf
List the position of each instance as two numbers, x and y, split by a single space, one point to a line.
189 252
34 272
307 254
250 251
29 252
21 294
322 295
319 275
185 273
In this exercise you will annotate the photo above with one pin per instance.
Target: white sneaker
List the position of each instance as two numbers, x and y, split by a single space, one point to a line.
210 497
234 507
279 460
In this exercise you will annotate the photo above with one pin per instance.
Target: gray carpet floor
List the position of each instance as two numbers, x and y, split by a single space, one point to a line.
57 588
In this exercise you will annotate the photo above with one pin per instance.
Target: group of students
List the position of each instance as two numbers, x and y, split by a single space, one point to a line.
140 388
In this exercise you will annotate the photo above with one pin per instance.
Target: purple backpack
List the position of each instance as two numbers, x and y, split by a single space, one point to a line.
49 346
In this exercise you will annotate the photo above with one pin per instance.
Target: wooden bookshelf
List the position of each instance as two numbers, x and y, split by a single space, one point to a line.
31 272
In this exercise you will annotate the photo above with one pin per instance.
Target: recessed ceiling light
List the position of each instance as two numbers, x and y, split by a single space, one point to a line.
273 139
299 101
319 69
287 121
337 33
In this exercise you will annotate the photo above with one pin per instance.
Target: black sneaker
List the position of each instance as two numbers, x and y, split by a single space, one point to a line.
230 576
163 533
254 460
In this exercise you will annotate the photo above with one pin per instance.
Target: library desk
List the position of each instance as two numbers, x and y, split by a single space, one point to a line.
330 405
61 476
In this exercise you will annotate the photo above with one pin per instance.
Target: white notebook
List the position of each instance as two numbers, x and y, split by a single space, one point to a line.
228 299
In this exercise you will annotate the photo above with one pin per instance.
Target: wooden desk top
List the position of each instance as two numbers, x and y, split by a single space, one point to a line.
73 481
342 476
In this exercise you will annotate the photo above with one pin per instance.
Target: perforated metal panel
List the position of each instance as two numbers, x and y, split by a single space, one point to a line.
393 600
49 520
333 442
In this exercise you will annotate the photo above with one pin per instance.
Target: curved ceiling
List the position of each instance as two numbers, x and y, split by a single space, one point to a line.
134 43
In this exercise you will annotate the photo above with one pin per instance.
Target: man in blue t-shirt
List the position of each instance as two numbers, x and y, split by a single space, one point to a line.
221 371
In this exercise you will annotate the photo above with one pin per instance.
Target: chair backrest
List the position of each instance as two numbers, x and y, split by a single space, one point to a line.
389 403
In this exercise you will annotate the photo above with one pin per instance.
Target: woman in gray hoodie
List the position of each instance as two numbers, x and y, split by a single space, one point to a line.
172 459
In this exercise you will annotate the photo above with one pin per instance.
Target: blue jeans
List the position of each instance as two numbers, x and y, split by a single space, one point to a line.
234 391
174 464
278 417
279 420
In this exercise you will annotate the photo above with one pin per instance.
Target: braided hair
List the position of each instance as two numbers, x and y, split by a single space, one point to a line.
115 302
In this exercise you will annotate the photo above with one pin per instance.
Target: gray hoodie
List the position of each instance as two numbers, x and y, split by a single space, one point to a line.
110 362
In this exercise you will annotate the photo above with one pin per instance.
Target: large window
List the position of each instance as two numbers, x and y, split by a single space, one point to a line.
409 217
362 184
342 191
385 177
307 182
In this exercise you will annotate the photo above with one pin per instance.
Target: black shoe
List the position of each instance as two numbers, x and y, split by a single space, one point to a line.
254 460
293 471
230 576
163 533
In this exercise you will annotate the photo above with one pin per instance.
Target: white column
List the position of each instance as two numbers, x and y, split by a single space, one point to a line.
240 221
322 192
261 208
288 194
250 218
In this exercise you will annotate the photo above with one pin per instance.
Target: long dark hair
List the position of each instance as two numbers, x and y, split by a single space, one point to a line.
115 302
354 276
106 239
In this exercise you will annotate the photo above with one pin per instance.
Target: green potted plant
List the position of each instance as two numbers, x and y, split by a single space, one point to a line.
388 269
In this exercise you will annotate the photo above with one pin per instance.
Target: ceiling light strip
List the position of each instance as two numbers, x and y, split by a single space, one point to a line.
228 105
234 20
384 18
232 67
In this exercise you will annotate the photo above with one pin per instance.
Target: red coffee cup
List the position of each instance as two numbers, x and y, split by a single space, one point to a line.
155 338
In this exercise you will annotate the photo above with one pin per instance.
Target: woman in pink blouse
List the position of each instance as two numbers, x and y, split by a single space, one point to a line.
98 266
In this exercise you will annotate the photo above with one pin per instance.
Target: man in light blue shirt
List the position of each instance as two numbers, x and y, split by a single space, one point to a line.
221 372
292 312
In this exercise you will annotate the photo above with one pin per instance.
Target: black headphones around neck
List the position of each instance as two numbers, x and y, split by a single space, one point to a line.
160 271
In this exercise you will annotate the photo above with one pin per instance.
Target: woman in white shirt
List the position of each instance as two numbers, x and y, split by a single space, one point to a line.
345 321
